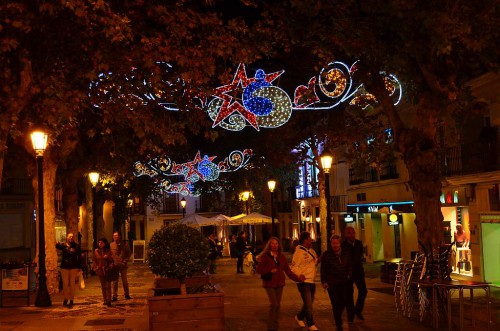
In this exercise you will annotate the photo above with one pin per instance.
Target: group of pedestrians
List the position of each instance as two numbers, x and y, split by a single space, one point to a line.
109 263
341 268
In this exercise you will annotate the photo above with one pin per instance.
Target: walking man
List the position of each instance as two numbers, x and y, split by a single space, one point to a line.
121 256
355 247
304 263
336 271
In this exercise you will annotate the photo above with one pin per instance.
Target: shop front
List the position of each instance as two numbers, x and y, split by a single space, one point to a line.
490 238
456 229
386 229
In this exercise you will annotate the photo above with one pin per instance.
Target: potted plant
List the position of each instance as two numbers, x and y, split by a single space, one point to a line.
178 255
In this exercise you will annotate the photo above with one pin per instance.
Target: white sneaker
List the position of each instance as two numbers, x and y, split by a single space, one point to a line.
299 322
313 328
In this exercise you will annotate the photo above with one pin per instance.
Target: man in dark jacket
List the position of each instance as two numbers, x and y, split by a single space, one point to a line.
355 247
336 271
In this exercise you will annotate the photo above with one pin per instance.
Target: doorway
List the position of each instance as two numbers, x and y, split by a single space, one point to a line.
490 233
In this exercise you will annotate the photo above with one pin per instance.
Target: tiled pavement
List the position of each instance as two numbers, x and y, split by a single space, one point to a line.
245 307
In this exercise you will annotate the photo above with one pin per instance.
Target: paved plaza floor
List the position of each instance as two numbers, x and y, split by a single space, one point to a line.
246 307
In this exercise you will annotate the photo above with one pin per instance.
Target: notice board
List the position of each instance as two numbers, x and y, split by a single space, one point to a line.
139 250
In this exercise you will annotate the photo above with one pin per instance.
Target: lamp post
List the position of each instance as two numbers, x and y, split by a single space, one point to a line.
271 184
326 164
317 227
183 205
130 203
245 197
94 179
39 140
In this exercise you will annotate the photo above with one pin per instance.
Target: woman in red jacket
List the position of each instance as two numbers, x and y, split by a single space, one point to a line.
272 267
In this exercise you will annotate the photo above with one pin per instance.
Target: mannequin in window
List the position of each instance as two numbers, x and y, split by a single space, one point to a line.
461 239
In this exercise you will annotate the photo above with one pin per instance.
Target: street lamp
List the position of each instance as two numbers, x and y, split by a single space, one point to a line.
271 184
326 164
39 140
245 196
94 179
130 203
183 205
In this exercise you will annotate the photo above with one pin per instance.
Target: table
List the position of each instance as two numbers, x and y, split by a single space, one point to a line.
460 285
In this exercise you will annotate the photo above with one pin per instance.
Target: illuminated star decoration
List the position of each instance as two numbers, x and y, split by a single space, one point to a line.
204 169
260 104
337 85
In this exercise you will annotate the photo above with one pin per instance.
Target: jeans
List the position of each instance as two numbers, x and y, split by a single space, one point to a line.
307 291
106 289
340 298
123 274
68 280
274 294
359 280
239 263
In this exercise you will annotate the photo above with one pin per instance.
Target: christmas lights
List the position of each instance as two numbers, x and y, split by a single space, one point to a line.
337 85
244 101
204 169
250 100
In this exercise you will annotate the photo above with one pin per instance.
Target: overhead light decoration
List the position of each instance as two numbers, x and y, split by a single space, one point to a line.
138 90
337 85
166 172
244 101
250 101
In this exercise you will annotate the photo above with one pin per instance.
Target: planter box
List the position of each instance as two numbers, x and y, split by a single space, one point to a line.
201 312
195 281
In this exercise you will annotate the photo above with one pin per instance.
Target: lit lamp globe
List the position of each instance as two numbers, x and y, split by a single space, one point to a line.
271 184
326 161
39 141
94 178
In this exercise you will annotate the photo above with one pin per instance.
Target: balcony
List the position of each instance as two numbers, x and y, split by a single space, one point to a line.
471 158
370 174
338 203
17 186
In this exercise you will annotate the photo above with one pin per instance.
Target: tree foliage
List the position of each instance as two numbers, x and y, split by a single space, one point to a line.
177 251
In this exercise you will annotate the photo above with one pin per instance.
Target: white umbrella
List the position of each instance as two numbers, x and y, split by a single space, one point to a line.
195 220
221 218
253 218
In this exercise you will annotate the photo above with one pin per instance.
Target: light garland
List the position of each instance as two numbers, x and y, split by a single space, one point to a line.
204 169
262 104
247 101
336 83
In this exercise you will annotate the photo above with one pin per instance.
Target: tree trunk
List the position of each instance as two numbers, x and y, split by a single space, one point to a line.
3 148
423 168
70 200
418 147
49 179
323 211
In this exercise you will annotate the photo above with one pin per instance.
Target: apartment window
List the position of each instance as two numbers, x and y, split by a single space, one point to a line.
361 197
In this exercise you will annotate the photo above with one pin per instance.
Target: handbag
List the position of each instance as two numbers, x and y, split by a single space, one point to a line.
112 273
82 281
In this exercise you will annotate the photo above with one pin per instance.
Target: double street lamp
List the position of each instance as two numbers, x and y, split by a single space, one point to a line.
326 164
271 184
183 205
94 179
39 140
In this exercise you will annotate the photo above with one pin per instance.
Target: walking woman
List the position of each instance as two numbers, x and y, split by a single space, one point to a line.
70 267
102 263
272 267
